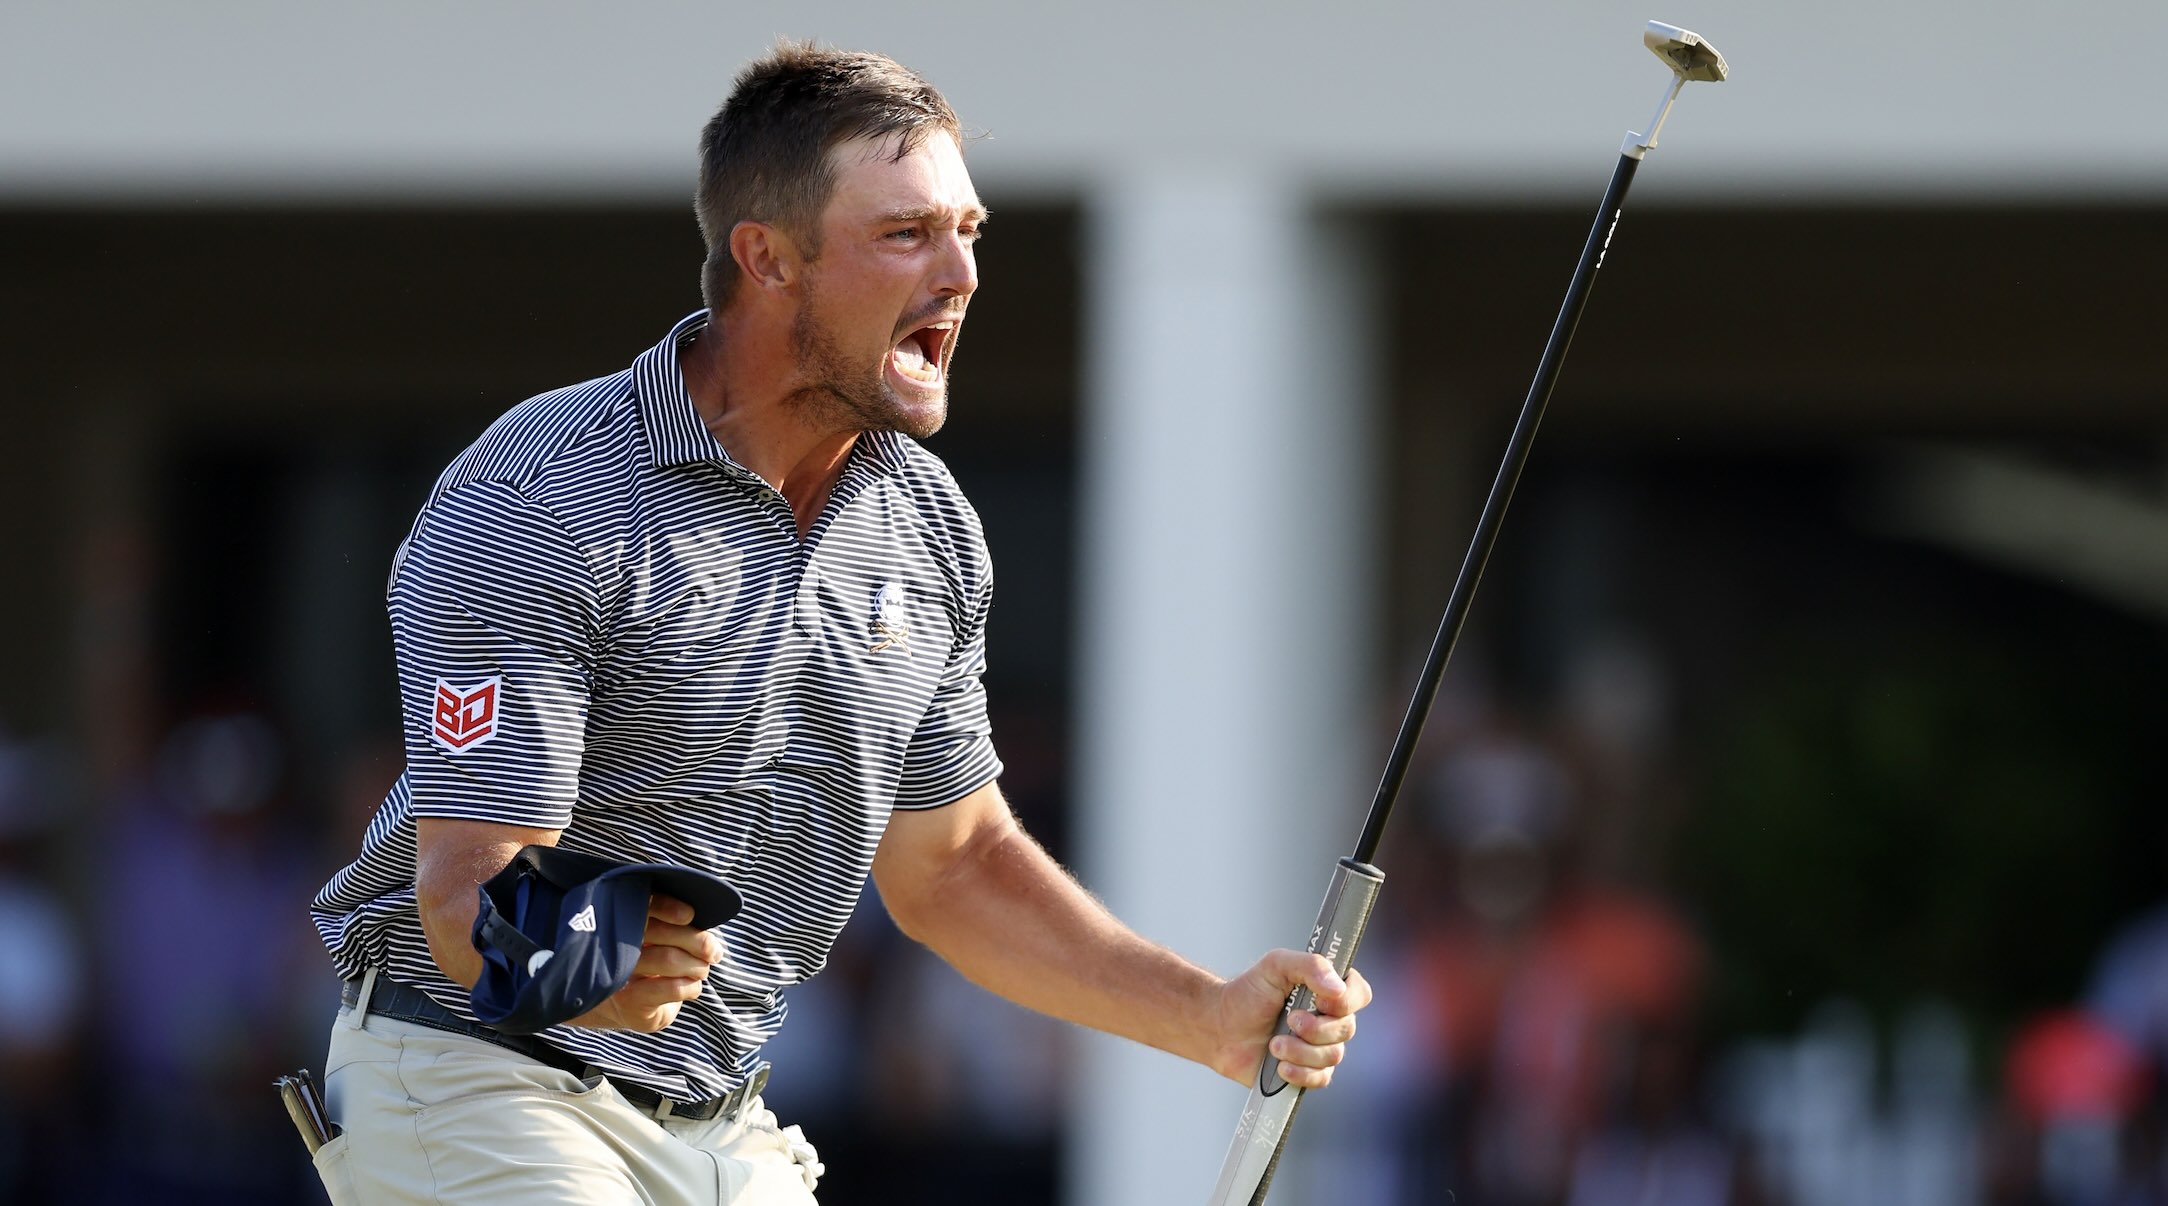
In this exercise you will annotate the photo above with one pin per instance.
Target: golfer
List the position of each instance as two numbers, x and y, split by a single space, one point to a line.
720 610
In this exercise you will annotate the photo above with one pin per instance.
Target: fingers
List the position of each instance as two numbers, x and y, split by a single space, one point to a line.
1321 1030
1314 1046
674 962
670 909
646 1003
1335 996
670 935
1317 1042
626 1012
1356 996
1308 1065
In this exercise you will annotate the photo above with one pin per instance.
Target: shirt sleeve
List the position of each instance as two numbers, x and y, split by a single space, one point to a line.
494 617
952 754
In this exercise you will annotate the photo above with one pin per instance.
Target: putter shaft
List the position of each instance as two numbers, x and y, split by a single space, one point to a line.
1261 1135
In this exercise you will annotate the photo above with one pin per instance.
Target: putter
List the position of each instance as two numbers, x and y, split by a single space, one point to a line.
1261 1135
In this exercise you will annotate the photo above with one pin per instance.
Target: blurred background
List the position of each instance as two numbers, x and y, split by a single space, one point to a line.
1790 828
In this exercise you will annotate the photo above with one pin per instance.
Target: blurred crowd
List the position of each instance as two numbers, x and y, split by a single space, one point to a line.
1543 1033
1549 1029
158 970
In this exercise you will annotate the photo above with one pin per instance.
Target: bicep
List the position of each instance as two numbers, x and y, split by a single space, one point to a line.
924 848
493 616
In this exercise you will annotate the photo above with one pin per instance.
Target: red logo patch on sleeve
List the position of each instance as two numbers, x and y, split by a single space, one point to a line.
466 716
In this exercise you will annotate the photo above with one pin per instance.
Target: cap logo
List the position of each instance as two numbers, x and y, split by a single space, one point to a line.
890 629
583 921
466 716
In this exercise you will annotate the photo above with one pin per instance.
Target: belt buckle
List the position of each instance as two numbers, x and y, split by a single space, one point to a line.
727 1106
749 1088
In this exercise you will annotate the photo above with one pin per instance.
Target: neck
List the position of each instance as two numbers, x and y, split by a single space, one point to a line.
745 400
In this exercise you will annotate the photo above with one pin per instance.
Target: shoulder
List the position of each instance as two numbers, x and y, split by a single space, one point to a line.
570 433
937 500
513 493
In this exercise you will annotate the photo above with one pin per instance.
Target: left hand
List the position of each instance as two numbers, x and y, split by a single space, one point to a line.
1248 1010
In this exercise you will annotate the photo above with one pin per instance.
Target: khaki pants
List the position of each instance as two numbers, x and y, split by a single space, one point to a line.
434 1117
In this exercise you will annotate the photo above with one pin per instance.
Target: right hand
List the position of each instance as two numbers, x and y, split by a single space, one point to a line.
674 962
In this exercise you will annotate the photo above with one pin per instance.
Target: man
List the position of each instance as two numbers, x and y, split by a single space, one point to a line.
721 611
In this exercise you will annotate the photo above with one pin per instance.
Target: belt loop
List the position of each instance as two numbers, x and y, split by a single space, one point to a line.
361 997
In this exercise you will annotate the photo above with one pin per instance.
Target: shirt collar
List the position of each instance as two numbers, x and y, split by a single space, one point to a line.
675 434
880 451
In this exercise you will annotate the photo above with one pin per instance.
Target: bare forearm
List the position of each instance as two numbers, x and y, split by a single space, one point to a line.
1012 921
452 858
966 881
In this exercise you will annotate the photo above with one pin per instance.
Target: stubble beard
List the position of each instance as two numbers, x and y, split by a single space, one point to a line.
842 397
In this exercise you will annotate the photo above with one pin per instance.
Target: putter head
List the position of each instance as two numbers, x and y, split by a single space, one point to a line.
1685 52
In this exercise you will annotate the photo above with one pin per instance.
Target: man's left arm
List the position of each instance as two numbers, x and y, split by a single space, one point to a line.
970 884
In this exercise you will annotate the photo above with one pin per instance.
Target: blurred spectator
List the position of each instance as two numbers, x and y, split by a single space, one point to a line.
200 886
1604 970
1813 1130
1548 989
2129 990
41 994
2128 999
1655 1151
2073 1087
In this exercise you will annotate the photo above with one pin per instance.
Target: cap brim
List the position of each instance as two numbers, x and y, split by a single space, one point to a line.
714 901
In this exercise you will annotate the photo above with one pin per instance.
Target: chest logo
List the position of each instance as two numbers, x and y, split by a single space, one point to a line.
889 629
466 716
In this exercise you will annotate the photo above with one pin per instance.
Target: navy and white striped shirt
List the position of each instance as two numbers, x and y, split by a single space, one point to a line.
607 626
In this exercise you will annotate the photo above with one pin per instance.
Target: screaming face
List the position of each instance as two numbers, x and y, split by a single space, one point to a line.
881 308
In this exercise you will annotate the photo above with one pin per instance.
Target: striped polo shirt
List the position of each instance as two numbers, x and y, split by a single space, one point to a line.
606 625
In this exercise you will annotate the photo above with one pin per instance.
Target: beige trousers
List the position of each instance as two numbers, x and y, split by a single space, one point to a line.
434 1117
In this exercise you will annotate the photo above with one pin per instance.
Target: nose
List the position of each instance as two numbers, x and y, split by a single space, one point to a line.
958 273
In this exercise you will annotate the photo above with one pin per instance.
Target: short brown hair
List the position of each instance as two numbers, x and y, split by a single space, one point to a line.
764 155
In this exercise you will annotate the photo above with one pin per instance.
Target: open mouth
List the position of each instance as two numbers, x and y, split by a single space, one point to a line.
921 357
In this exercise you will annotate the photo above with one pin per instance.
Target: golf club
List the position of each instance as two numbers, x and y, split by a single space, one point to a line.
1269 1113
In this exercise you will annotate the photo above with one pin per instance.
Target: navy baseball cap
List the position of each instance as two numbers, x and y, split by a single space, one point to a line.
559 931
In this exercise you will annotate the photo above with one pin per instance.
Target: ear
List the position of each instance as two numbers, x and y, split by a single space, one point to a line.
767 257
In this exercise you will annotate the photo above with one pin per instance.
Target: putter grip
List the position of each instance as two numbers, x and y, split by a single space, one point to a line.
1262 1133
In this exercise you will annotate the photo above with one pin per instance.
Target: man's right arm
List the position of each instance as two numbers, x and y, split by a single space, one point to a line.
454 857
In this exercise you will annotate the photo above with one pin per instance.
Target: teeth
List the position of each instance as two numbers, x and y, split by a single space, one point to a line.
910 360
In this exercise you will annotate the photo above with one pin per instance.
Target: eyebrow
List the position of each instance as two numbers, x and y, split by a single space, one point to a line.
975 213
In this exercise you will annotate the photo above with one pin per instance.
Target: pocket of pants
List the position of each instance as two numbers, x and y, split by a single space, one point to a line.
330 1160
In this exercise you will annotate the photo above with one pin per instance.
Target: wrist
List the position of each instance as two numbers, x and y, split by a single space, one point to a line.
1204 1034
